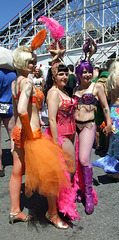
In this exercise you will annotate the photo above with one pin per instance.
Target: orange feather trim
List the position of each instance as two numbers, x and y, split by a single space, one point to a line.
38 39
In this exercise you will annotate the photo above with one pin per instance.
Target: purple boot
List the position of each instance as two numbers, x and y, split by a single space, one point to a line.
87 176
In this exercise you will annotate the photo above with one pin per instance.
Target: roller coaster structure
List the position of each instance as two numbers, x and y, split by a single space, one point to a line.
80 18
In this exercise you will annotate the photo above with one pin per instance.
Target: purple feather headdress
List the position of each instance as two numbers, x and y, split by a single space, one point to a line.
90 47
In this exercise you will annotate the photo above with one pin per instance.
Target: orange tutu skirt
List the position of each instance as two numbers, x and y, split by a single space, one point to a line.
45 167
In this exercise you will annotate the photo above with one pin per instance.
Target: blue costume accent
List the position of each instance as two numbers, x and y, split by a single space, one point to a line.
110 162
6 78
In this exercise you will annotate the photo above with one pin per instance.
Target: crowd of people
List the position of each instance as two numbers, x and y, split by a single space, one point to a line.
57 163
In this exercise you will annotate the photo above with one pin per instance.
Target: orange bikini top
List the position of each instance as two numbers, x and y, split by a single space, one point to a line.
38 98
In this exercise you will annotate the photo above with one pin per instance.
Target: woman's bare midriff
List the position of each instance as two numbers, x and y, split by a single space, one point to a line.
83 114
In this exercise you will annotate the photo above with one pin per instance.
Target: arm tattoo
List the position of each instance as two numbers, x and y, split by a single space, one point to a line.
26 92
28 82
105 110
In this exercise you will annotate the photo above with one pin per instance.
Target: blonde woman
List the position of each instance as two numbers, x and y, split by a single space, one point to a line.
110 162
33 152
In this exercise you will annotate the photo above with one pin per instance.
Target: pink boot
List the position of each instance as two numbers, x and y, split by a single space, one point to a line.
89 201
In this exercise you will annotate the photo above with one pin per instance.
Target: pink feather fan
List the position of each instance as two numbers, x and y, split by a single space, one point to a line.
56 30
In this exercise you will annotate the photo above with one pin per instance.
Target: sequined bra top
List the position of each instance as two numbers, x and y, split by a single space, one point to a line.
86 99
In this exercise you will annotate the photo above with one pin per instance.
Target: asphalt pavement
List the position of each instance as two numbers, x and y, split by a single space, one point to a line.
103 224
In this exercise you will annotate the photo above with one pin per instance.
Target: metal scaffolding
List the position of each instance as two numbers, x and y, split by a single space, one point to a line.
80 18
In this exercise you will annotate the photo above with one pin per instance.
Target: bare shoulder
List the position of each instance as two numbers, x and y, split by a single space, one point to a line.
98 87
53 93
53 97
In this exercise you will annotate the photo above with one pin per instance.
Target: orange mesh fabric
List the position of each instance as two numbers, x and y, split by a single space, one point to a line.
19 136
44 163
45 167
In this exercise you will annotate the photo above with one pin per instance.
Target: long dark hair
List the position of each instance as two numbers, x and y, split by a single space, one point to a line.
49 78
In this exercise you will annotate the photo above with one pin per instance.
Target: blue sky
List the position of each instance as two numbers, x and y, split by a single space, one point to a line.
10 8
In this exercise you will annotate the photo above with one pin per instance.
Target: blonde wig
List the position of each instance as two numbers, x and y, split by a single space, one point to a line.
21 57
113 74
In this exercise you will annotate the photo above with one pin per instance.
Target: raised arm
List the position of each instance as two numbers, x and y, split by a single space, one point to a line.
53 105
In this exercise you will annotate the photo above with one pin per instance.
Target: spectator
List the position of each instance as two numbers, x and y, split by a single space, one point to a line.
96 73
101 139
110 162
71 84
6 109
38 78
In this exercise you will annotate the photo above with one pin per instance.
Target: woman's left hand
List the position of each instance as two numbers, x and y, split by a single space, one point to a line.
108 129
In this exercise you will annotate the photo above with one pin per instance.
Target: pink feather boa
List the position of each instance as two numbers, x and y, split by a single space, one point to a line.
67 198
